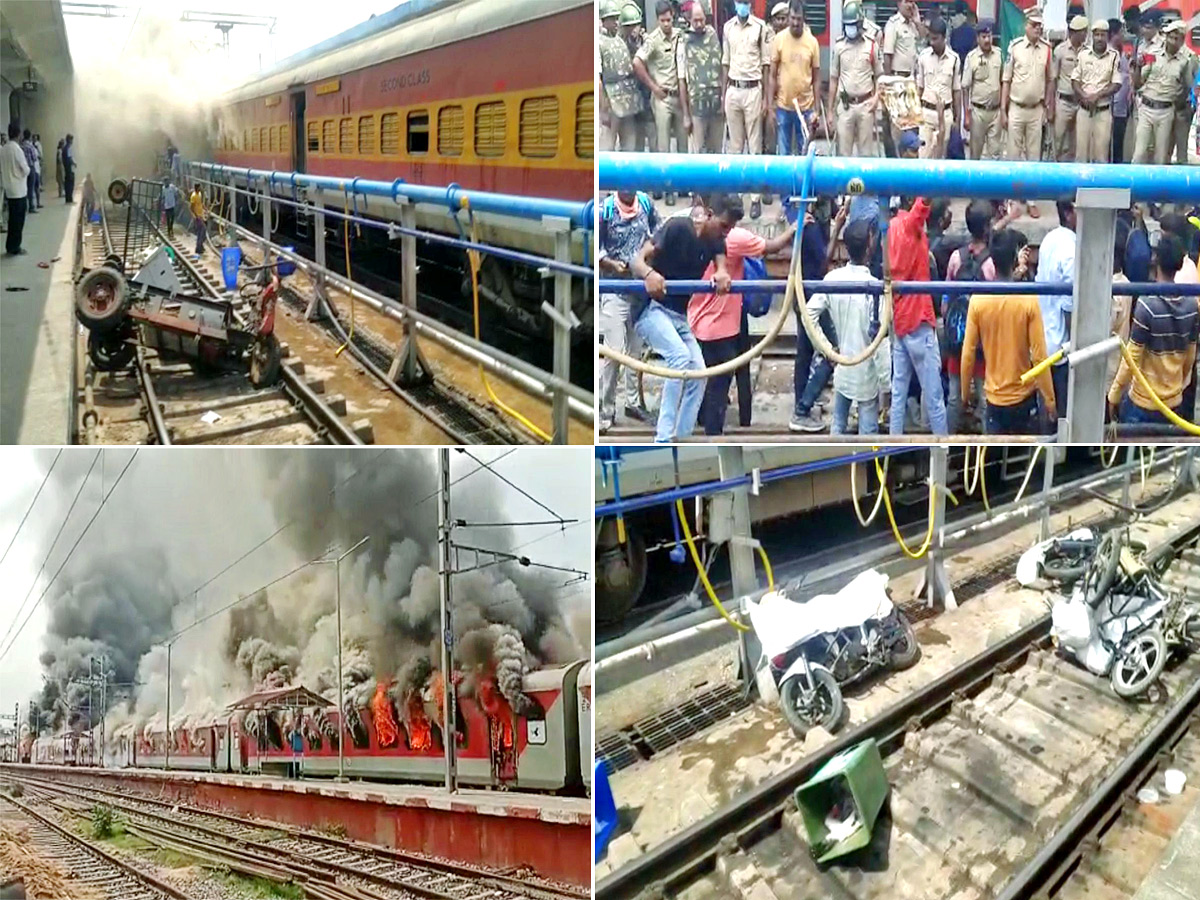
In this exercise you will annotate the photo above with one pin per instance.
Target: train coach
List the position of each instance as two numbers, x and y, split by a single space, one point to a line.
488 96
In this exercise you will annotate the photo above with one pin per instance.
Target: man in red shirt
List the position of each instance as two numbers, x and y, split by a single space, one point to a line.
914 345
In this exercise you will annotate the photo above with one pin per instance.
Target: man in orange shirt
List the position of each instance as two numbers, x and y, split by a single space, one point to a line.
1009 327
794 75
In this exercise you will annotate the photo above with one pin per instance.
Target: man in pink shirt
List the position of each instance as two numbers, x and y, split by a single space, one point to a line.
715 319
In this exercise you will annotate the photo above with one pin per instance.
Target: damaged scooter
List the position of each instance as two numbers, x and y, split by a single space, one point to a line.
812 650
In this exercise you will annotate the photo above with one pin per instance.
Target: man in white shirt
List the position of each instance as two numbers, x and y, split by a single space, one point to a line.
37 168
14 171
1056 265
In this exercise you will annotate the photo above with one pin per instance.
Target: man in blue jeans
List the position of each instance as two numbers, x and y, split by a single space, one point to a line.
681 250
793 79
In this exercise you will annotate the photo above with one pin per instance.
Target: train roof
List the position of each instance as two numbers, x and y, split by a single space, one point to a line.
297 695
412 27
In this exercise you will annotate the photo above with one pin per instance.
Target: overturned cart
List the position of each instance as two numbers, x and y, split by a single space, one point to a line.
152 308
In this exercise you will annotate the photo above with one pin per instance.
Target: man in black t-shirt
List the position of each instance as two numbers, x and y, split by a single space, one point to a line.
681 250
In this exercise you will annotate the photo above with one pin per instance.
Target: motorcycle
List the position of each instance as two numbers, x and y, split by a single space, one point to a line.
812 650
1120 621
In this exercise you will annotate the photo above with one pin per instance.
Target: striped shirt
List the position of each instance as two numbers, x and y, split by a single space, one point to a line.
1162 341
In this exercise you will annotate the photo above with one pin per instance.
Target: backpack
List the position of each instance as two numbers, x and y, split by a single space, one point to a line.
756 303
956 305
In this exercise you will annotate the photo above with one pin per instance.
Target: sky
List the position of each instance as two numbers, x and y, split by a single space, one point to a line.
204 508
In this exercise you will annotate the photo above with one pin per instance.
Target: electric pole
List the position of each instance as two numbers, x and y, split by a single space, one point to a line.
445 523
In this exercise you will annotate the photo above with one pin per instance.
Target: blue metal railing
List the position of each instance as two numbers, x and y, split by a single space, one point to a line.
1139 288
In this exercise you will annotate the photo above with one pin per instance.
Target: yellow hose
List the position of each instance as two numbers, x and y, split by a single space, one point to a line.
854 496
473 256
346 240
767 568
712 595
1108 463
887 503
1172 417
970 485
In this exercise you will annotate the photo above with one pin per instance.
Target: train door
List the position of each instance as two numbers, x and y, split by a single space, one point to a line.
299 140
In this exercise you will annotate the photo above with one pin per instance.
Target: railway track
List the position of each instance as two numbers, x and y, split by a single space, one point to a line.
270 848
88 865
162 402
1006 774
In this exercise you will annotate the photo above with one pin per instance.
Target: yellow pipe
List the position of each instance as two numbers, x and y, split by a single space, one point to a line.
887 503
1051 360
712 594
767 568
1172 417
346 240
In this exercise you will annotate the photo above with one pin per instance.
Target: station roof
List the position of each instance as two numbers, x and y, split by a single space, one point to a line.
297 695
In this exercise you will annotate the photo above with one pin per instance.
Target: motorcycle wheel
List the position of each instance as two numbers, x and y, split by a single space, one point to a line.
1138 664
825 709
1063 573
906 651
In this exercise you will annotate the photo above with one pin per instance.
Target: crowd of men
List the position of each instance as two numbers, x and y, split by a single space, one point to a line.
951 364
21 167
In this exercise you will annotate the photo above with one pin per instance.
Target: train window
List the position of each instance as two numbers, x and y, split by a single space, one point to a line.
366 136
329 136
273 138
346 136
253 140
585 126
314 137
451 127
262 138
815 15
284 147
491 125
539 127
389 134
418 132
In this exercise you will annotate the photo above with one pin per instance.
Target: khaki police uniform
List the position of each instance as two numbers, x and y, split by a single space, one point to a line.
900 38
657 53
698 61
939 78
1093 128
855 67
981 85
1183 110
745 51
1066 107
1164 83
621 89
1027 70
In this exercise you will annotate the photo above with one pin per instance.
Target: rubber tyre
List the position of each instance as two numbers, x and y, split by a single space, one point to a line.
905 656
1063 574
1108 575
118 191
101 298
1151 643
613 602
110 352
833 713
265 360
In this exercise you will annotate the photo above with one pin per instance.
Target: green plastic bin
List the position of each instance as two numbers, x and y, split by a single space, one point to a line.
855 776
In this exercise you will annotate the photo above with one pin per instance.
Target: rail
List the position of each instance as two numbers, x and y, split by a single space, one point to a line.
560 219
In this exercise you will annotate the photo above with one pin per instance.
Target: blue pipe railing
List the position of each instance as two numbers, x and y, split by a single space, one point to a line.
1132 288
833 175
579 214
644 501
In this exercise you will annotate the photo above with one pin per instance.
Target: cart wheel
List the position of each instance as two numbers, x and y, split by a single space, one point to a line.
101 299
118 191
264 361
110 352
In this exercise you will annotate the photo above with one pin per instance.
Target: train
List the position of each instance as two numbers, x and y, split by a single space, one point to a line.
293 732
487 96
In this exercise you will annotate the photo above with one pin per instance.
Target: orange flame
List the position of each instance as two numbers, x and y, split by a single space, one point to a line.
381 712
498 711
420 735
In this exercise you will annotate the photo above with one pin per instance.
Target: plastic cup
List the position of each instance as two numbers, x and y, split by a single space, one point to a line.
1174 780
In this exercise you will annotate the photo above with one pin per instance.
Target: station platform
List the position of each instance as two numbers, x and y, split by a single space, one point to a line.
1177 875
37 328
547 834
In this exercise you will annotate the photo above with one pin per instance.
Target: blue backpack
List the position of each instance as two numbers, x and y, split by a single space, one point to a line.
756 303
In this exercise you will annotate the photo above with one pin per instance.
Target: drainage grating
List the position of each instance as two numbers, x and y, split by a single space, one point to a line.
654 734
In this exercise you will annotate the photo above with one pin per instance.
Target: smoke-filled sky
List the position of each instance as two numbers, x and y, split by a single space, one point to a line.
179 517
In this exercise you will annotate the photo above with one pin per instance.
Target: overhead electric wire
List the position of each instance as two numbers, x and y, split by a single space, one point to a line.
67 558
510 484
21 524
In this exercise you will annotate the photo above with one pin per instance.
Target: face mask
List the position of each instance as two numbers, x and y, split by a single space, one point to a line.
742 9
852 32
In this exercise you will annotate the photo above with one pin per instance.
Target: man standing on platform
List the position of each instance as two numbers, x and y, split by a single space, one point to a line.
746 56
1122 101
14 169
794 76
620 99
68 155
939 85
1163 78
901 35
654 65
1027 95
1183 107
1062 66
698 65
1097 77
854 85
981 90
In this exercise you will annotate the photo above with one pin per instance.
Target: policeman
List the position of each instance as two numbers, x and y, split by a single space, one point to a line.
633 32
1094 81
1183 108
939 85
620 99
900 37
981 94
654 65
854 73
698 61
1026 95
1163 80
1062 65
745 58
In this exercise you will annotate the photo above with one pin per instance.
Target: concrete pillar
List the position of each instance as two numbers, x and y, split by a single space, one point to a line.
564 320
408 365
1096 223
317 199
732 464
935 582
1047 486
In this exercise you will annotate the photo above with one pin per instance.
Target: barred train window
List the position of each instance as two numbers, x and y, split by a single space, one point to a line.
273 138
314 137
539 127
585 127
284 146
389 134
418 132
451 128
366 135
329 136
262 138
245 138
346 136
491 123
254 145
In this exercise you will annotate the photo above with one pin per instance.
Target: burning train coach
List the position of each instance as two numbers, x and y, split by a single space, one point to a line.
535 743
